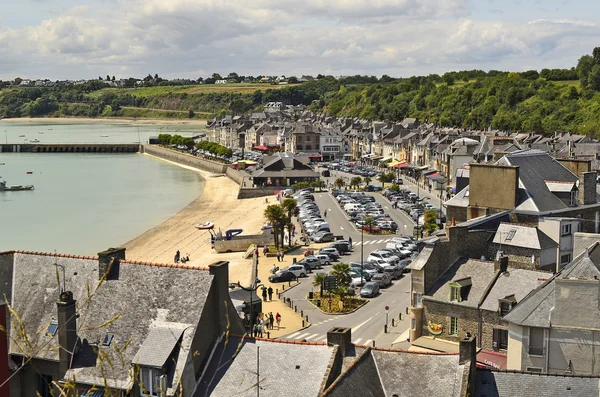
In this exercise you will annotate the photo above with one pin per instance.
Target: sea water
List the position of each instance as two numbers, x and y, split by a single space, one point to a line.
84 203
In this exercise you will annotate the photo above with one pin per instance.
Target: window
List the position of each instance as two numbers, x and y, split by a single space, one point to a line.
298 147
454 293
511 234
533 369
150 382
504 308
107 339
500 339
43 385
52 328
564 259
417 299
573 198
454 326
565 230
536 341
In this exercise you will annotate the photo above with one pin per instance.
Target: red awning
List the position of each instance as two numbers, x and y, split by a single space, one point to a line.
315 156
488 359
433 174
261 147
401 165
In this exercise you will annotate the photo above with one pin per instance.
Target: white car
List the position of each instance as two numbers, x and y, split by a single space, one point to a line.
324 258
298 270
389 258
358 281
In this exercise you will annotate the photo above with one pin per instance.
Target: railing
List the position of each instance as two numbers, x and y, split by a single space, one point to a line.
536 351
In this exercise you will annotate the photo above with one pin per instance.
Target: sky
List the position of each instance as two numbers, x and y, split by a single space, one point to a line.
83 39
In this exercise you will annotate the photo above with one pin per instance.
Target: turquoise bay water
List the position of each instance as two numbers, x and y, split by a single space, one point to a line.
85 203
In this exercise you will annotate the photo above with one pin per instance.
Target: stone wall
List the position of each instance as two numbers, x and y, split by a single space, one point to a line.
258 192
518 257
440 313
490 321
236 175
185 159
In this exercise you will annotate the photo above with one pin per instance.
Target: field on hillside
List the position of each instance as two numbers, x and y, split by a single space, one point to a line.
189 89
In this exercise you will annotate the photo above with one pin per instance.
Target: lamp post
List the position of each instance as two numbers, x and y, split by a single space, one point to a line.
251 290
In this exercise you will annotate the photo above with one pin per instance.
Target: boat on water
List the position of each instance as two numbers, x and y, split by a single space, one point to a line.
41 132
104 136
205 225
5 188
21 136
34 140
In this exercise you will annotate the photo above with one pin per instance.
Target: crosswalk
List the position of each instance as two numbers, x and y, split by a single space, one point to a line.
312 337
387 240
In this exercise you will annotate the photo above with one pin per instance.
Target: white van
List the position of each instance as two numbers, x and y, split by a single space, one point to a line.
351 206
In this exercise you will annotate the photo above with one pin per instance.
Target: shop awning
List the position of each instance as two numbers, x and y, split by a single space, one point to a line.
366 156
427 172
385 160
488 359
261 147
315 156
423 167
393 163
437 178
376 157
401 165
432 174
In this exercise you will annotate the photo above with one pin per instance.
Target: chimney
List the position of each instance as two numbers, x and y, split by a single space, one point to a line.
67 330
341 337
109 262
467 350
501 264
587 188
4 390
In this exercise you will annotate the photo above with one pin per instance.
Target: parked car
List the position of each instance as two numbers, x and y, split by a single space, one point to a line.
281 277
297 270
384 279
324 258
370 289
331 252
386 256
342 247
311 261
393 271
322 237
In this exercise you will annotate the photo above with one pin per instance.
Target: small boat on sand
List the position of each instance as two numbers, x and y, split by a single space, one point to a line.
4 188
205 225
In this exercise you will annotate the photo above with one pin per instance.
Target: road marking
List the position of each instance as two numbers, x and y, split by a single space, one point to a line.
341 228
385 206
312 336
294 334
357 244
357 342
353 330
302 336
394 301
368 342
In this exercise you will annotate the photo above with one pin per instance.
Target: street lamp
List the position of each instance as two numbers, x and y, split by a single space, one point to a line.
251 290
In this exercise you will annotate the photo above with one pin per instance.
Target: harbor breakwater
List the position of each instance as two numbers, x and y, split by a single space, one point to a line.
70 148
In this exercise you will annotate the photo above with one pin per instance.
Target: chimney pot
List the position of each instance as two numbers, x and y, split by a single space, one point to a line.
340 336
109 263
467 350
67 330
501 264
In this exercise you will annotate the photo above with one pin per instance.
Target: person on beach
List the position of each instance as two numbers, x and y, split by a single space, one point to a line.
264 294
270 292
278 319
271 319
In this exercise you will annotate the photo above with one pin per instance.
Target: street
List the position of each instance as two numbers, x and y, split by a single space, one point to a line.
368 322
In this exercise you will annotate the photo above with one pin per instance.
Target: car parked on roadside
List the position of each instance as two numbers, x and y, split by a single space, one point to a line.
393 271
370 289
311 261
331 252
324 258
297 270
386 256
282 277
384 279
322 237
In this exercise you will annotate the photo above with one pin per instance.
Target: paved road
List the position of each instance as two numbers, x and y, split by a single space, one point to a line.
368 322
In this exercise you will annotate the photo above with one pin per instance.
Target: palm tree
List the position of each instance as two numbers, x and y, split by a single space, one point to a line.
320 184
356 181
339 183
276 216
289 205
342 272
385 178
367 180
318 282
370 222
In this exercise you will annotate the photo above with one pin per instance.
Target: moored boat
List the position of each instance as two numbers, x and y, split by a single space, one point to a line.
5 188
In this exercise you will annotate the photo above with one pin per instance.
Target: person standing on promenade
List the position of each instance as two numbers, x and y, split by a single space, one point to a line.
271 319
270 292
278 256
177 256
278 319
264 294
350 241
282 255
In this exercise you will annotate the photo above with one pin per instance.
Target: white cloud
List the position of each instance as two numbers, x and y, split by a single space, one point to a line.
185 37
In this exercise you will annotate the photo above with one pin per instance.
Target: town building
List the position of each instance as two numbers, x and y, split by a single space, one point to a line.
283 169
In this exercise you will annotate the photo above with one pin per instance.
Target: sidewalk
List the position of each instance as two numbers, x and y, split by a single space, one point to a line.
290 320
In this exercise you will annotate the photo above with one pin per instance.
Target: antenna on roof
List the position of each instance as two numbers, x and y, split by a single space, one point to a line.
64 288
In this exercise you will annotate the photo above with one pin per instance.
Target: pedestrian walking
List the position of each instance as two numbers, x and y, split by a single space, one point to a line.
267 322
350 241
278 319
265 250
260 330
325 213
264 294
278 256
255 330
271 319
282 255
270 292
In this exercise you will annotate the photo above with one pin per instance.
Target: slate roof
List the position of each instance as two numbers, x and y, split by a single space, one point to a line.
517 282
582 241
536 167
142 298
285 369
482 274
523 236
519 384
387 372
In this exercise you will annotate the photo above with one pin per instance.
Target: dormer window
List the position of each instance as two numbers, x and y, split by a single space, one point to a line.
573 198
455 293
459 289
506 304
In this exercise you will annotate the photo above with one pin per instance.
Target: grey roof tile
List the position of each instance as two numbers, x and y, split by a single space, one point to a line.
523 236
517 282
159 344
517 384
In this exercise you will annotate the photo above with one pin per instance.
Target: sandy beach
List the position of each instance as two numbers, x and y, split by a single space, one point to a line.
64 120
218 203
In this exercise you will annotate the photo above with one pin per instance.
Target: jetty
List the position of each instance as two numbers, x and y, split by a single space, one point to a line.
70 148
